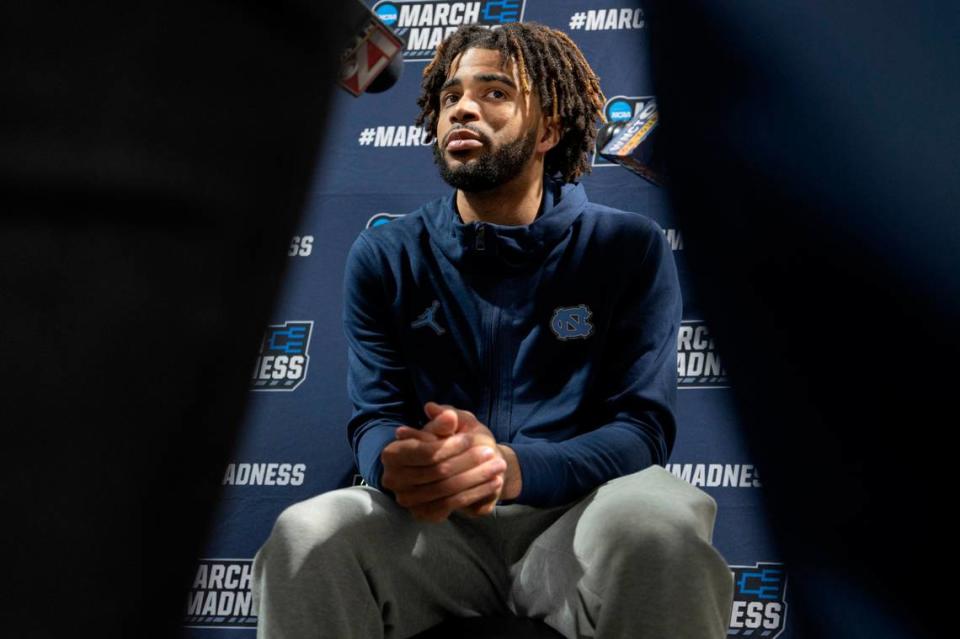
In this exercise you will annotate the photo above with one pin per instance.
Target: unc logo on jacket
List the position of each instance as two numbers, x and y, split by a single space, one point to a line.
572 322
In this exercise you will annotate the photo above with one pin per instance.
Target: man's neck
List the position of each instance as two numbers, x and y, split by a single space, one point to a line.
514 203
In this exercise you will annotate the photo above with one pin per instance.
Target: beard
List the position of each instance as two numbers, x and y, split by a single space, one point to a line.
491 168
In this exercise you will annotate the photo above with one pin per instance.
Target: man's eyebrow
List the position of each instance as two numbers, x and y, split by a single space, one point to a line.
495 77
450 82
481 77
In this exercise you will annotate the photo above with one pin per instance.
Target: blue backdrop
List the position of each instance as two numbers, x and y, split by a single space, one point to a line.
375 165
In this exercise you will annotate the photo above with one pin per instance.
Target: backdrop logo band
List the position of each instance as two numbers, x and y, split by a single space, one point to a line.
717 475
220 595
397 135
674 239
300 246
607 19
759 600
423 24
283 359
698 362
264 474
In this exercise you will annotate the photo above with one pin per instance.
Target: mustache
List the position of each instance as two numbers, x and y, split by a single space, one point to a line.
480 134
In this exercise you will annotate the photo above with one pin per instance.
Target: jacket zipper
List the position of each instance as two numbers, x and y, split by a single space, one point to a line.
493 373
480 240
493 354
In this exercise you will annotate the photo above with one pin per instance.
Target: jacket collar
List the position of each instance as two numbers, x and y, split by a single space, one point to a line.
484 243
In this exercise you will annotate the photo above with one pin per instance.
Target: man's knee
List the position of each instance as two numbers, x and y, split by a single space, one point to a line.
656 494
658 534
312 550
655 524
333 517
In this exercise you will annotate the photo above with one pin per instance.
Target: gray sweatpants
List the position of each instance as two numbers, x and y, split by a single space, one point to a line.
633 559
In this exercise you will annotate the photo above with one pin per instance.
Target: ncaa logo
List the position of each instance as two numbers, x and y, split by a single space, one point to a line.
759 600
283 359
380 219
621 108
618 111
388 13
572 322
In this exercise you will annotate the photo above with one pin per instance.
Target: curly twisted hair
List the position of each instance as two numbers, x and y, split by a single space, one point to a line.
548 61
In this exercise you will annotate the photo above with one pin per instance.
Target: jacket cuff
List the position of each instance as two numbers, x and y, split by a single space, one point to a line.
371 445
541 471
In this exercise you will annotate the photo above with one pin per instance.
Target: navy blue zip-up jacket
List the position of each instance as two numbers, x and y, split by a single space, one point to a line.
560 336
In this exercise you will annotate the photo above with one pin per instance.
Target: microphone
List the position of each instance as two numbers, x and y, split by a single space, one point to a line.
632 144
373 61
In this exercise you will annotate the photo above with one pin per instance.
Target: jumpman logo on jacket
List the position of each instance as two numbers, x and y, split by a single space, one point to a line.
427 318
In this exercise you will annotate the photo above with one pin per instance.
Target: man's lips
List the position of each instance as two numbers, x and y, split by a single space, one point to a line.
463 140
463 144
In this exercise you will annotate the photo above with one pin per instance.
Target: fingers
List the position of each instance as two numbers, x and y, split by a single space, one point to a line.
439 510
443 419
409 478
464 418
405 432
433 470
410 462
452 487
432 409
414 451
481 508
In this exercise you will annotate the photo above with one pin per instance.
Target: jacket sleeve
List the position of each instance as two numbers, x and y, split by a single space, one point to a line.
378 382
634 423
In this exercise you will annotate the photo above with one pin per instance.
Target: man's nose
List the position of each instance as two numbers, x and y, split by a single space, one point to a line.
466 110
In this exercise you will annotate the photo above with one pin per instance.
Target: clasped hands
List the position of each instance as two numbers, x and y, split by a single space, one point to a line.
452 464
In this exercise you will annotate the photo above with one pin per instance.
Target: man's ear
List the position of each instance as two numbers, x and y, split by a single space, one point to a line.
550 136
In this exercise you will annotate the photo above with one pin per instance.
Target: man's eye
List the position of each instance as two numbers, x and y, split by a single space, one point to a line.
449 98
497 93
